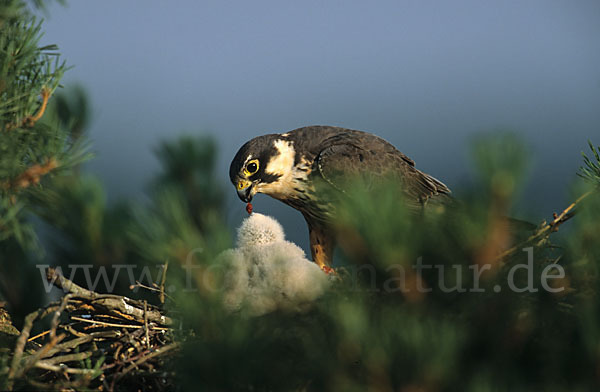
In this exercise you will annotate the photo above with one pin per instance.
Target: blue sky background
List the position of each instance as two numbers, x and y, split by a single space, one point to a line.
426 75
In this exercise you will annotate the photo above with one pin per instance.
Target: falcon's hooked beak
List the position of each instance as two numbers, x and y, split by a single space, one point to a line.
246 190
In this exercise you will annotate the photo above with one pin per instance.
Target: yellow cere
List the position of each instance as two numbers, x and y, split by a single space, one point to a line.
243 184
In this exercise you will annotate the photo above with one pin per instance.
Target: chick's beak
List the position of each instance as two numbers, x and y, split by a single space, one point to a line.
245 190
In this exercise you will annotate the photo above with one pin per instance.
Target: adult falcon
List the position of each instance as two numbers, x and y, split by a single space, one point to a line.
303 167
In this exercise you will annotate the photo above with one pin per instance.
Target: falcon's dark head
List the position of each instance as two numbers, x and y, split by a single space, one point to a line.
263 165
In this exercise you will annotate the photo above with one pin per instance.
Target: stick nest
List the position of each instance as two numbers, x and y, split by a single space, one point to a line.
93 341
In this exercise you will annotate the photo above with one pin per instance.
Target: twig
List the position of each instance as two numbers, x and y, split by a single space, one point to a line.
104 323
57 314
69 358
41 353
163 279
74 332
149 288
547 228
21 341
120 304
30 120
143 286
73 343
157 288
146 324
156 353
63 369
31 176
39 335
69 345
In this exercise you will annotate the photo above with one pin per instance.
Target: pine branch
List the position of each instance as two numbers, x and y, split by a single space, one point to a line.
591 171
36 141
544 231
31 176
30 120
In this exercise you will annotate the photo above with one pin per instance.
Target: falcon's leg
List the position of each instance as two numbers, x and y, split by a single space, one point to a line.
321 246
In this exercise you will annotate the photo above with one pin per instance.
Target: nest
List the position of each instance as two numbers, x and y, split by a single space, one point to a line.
93 341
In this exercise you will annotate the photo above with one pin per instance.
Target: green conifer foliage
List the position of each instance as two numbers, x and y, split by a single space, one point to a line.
34 145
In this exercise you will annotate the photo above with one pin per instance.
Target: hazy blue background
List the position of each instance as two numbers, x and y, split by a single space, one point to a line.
426 75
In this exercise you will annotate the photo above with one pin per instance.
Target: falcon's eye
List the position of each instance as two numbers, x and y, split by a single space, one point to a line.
252 167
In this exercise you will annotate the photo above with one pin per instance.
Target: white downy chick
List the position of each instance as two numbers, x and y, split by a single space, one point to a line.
265 272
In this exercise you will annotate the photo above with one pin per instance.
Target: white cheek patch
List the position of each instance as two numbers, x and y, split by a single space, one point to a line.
282 163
